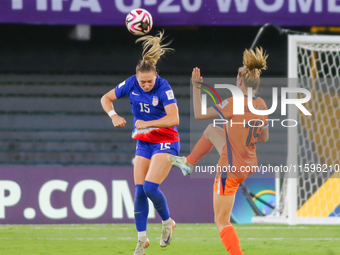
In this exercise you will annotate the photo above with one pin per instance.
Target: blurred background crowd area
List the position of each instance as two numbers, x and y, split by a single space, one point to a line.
51 85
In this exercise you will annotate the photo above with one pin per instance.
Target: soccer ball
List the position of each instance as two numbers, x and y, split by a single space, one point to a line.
139 21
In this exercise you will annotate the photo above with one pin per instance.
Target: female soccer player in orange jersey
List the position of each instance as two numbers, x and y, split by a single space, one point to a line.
236 144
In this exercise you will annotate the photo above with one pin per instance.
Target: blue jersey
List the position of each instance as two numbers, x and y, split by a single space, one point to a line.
149 106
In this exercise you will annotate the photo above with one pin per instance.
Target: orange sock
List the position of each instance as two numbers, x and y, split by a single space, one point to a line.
201 148
188 159
230 241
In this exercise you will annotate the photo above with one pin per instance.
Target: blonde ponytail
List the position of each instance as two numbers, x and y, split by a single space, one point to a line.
152 51
253 64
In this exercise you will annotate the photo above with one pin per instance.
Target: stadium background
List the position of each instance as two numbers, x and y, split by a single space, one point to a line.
52 125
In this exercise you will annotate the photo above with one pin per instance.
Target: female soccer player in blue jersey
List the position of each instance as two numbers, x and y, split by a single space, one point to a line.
155 111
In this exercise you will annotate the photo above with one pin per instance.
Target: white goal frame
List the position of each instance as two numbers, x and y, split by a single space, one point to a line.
292 146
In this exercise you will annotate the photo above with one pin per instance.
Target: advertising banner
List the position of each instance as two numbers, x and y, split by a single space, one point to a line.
101 194
93 194
173 12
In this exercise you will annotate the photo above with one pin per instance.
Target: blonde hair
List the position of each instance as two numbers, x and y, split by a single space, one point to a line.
253 64
152 51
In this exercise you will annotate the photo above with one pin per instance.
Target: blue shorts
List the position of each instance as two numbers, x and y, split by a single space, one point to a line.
147 149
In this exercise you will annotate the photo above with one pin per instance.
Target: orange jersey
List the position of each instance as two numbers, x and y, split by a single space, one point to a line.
242 132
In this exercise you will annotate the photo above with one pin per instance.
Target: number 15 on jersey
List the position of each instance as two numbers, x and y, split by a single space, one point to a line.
165 146
144 107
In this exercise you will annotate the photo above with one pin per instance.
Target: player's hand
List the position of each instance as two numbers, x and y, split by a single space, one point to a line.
196 77
141 124
118 122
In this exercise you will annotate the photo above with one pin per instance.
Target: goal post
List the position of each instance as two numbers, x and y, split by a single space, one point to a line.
312 196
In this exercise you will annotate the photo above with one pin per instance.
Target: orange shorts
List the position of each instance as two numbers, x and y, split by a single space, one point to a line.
226 186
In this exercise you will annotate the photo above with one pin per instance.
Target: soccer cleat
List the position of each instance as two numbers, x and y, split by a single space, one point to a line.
167 230
141 245
182 163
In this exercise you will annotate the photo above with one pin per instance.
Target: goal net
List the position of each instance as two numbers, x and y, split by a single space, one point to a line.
311 195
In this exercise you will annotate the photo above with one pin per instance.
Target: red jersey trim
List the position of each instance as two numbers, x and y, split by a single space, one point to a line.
156 135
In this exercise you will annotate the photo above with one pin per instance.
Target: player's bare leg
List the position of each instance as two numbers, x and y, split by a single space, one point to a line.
212 135
216 136
222 209
140 169
223 206
159 168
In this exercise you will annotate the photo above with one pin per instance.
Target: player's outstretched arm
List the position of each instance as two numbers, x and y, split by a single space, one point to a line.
106 102
196 78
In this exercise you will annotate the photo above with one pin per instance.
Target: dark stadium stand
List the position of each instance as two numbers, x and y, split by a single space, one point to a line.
58 120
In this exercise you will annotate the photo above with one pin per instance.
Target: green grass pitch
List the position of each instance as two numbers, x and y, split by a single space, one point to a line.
194 239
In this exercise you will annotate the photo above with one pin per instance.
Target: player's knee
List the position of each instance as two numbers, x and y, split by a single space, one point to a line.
221 220
150 189
139 192
208 131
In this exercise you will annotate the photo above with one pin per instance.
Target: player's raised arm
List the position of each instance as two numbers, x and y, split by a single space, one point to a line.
106 102
196 79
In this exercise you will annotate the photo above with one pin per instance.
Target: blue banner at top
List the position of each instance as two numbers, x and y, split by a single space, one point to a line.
174 12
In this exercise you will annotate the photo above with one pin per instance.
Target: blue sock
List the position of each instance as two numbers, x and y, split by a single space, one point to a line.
157 197
141 208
